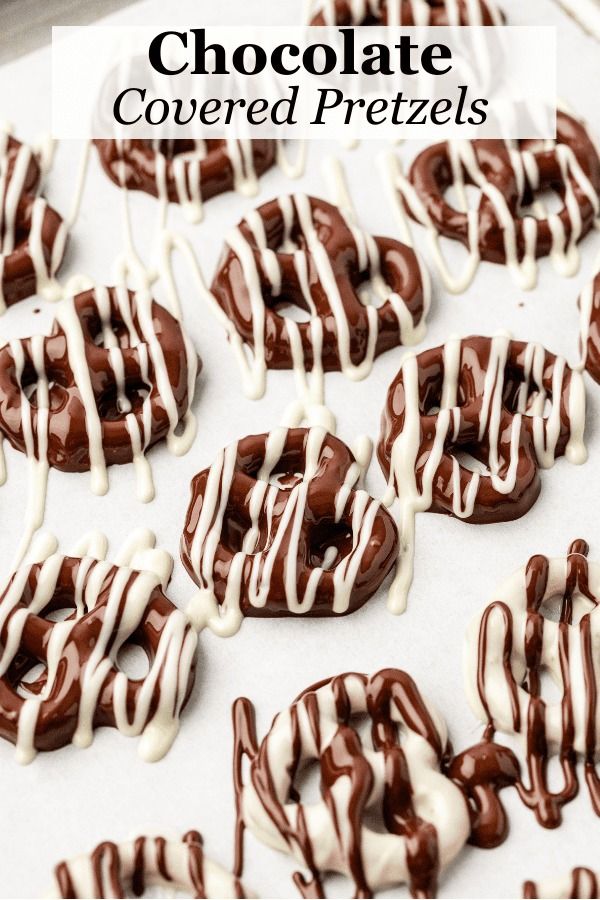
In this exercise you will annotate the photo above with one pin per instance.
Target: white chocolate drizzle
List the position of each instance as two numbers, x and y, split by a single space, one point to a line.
564 253
142 568
12 190
405 451
226 619
420 10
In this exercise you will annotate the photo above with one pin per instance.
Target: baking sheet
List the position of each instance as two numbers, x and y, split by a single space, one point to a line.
69 800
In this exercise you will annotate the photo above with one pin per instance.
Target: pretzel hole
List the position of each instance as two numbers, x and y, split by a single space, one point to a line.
133 661
330 542
524 397
469 461
116 326
110 404
306 786
462 200
59 615
57 389
291 309
552 607
31 680
542 204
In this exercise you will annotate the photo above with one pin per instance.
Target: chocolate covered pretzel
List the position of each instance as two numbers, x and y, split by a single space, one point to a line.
64 624
510 225
511 406
387 815
32 234
408 12
277 527
298 251
187 172
517 641
115 375
128 869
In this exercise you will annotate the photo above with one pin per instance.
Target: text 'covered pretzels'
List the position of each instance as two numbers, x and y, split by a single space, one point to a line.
276 527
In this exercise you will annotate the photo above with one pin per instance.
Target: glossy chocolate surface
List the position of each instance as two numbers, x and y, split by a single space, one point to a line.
133 164
137 393
328 292
432 175
298 506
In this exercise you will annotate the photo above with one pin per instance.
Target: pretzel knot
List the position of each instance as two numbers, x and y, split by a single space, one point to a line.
81 685
386 815
124 870
407 12
544 622
298 251
510 224
276 527
186 171
467 426
115 376
32 234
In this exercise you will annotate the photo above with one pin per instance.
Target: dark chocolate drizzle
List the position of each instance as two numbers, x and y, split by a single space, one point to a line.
486 768
343 756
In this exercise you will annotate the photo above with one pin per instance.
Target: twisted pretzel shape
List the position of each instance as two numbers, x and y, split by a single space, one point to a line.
301 251
115 376
393 777
408 12
81 686
276 527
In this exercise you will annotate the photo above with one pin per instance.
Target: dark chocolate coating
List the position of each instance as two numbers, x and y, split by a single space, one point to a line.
431 176
592 348
491 505
134 164
19 279
319 529
68 442
439 13
399 267
59 711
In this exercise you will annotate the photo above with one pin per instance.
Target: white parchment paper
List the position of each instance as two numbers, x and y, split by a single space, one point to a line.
67 801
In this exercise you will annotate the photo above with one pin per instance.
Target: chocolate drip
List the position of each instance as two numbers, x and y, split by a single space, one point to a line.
584 885
113 870
486 768
322 719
